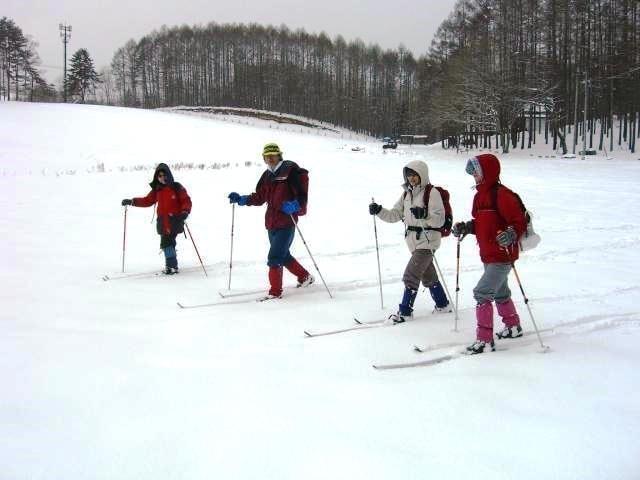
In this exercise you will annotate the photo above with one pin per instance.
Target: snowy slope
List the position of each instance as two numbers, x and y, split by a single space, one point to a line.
111 380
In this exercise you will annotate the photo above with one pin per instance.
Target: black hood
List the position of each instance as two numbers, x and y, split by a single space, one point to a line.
154 181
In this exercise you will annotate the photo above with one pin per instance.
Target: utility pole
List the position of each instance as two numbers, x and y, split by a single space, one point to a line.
584 121
65 34
611 114
575 118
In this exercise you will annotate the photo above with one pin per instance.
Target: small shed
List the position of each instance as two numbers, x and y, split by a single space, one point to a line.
413 138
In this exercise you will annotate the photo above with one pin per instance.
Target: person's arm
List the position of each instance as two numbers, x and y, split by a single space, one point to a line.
258 197
147 201
435 214
394 214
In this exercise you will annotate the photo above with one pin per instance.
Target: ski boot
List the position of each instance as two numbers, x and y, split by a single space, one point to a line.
510 332
405 309
440 298
306 282
478 347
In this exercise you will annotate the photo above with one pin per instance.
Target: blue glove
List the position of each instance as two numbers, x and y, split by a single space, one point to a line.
290 207
506 237
235 197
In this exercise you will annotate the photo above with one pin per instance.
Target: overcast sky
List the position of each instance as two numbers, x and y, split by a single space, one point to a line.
102 26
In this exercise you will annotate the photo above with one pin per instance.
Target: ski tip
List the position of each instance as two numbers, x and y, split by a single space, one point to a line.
179 304
105 278
308 334
357 321
418 349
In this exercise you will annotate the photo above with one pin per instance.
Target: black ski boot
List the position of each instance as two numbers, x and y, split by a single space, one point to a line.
510 332
478 347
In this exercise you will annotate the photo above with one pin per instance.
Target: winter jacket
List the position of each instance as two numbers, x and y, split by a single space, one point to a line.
414 197
172 199
277 187
495 209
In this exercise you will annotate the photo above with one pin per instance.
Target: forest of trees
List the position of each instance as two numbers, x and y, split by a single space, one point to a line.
495 68
268 68
19 76
504 66
498 73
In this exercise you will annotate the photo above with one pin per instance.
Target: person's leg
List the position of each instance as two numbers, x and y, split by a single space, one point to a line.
294 267
280 240
302 274
430 280
484 293
168 246
275 281
507 310
413 272
439 297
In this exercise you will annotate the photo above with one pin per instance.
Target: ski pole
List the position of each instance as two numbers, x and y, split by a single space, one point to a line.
233 217
375 232
526 302
435 261
196 249
457 279
124 237
312 259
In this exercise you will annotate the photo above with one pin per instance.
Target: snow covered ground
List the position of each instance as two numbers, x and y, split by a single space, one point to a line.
111 380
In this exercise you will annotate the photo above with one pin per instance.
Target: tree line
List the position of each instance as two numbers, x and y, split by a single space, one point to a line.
348 84
498 72
526 68
507 69
19 75
20 78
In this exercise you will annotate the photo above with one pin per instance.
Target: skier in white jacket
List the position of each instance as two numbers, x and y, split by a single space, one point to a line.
421 234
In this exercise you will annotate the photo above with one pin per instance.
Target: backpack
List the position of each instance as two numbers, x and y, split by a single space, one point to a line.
303 175
445 230
529 239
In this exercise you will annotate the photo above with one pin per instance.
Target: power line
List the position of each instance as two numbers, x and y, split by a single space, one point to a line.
53 67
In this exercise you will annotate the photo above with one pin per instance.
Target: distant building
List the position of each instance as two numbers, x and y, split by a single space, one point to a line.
411 139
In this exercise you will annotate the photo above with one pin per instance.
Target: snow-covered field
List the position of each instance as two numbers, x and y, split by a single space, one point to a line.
111 380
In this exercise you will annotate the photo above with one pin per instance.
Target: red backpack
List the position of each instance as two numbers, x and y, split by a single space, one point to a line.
445 230
303 174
